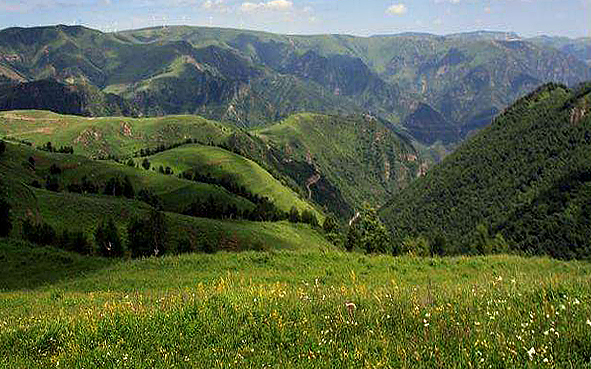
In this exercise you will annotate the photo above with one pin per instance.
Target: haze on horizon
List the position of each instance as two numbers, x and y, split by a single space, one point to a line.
363 18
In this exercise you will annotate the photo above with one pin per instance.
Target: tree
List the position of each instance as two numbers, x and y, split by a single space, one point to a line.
146 164
146 236
368 233
294 215
107 239
128 190
309 217
5 219
2 147
52 183
330 225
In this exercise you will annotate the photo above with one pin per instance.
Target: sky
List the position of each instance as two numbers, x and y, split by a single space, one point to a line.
571 18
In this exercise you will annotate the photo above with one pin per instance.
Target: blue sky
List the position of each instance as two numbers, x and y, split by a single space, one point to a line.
570 18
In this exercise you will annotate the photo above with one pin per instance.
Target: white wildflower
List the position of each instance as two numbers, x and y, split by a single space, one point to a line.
531 352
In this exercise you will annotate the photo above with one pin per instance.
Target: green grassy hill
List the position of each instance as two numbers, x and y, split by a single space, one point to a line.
220 163
83 211
337 162
109 136
344 160
527 178
255 78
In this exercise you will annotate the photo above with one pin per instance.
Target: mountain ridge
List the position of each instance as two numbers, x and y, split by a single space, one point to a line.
259 78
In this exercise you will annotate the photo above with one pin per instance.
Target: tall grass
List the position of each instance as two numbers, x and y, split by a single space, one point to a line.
305 309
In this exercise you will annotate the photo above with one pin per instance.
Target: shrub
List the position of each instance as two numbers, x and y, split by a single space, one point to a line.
5 219
294 215
39 233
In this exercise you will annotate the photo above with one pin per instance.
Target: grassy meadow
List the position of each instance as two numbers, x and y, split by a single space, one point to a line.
219 162
313 307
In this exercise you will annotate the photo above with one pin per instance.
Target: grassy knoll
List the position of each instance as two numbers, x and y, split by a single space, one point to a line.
293 309
83 212
174 193
119 136
219 163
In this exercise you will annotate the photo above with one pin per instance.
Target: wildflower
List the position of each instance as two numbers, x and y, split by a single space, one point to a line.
351 307
531 352
425 323
589 322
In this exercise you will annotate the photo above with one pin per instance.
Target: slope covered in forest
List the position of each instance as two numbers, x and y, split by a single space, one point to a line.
526 178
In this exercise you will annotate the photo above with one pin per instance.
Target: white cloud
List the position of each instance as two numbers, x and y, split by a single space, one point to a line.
275 5
397 9
214 6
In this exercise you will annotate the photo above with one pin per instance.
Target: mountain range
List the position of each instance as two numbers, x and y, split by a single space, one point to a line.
438 88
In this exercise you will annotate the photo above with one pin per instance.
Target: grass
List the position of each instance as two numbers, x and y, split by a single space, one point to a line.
171 190
305 308
219 162
83 212
119 136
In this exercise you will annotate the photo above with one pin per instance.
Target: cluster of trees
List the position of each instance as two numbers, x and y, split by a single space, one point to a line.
147 165
161 148
366 232
62 149
42 233
145 237
307 216
227 181
264 210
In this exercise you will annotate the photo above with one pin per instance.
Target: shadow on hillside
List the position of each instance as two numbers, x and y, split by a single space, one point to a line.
26 267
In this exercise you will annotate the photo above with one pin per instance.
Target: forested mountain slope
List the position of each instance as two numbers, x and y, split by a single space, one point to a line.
527 177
